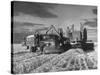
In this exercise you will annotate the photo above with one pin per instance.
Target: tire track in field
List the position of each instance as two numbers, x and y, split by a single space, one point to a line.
25 56
71 60
26 66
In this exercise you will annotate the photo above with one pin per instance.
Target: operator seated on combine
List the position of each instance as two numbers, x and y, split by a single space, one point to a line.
64 41
61 38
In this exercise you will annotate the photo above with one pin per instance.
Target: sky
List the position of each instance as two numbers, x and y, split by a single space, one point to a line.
30 16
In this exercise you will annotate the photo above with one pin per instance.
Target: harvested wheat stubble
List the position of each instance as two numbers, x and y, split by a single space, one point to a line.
93 58
26 66
74 59
23 56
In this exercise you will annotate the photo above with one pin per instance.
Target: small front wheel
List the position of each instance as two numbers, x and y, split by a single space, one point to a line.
32 49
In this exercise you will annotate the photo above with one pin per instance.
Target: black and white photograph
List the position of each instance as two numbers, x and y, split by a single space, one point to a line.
53 37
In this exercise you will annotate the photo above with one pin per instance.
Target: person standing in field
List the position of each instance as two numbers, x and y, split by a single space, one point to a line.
37 38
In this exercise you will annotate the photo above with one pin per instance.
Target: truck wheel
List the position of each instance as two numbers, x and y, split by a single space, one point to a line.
32 49
27 47
42 50
38 51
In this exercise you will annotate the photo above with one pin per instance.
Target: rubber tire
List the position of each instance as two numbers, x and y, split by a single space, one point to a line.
32 49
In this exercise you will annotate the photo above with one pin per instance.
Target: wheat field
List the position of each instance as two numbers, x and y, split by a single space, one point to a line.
73 59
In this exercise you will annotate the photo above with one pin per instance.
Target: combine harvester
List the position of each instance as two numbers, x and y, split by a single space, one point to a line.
58 43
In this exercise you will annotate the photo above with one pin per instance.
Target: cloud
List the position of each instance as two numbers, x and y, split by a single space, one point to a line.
26 24
20 30
41 10
42 29
32 24
94 11
19 27
91 23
